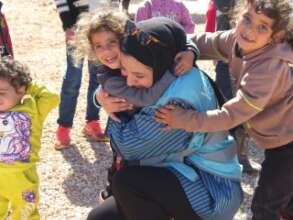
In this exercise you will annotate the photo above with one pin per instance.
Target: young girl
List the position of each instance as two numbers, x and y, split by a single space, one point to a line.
260 56
23 108
98 37
173 9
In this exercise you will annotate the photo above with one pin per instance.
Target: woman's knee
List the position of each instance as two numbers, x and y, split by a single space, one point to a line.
121 180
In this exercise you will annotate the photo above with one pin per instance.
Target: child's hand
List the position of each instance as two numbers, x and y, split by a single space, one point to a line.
184 62
172 116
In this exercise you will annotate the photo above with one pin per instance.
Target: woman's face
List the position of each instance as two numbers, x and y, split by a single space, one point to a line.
137 74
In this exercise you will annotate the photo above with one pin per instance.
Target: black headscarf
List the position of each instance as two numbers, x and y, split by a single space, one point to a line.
160 57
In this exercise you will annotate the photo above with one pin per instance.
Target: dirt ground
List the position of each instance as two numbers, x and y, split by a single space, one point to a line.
71 179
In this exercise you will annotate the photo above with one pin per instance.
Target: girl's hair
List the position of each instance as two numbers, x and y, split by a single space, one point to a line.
281 11
89 24
14 72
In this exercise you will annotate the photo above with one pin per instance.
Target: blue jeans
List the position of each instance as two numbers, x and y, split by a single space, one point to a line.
70 91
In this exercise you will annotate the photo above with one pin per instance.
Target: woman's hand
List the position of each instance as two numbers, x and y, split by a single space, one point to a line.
172 116
112 104
184 62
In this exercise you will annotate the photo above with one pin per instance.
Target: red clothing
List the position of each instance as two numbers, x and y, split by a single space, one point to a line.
211 17
5 40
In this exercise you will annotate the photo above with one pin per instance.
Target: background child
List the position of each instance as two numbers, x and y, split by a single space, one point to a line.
23 108
260 55
173 9
69 10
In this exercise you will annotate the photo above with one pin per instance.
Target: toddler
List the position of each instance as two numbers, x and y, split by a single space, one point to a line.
24 106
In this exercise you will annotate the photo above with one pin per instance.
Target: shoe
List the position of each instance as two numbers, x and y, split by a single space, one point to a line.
93 131
247 166
62 138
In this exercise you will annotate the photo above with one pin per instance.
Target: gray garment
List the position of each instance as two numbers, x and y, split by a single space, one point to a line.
117 86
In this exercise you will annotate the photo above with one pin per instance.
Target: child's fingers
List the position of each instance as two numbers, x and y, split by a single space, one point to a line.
166 128
169 108
178 57
179 69
160 117
114 117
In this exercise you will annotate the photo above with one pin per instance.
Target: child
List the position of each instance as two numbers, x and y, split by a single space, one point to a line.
69 11
23 108
260 55
99 38
173 9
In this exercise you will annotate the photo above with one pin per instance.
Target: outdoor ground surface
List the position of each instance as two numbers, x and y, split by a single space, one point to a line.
71 179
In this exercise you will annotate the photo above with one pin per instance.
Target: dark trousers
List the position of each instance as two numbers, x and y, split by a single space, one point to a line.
274 193
145 193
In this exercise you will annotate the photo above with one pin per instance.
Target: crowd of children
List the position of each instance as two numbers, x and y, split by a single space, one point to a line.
259 56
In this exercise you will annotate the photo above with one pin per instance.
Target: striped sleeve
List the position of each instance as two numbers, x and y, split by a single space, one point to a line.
142 138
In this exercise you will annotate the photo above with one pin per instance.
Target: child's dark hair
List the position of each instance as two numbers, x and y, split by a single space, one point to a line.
281 11
14 72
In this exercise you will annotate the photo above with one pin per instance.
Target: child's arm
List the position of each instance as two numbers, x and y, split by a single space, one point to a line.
216 45
117 86
45 99
144 12
257 88
186 20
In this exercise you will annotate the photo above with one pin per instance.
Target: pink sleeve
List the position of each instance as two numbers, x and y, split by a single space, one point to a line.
186 20
144 12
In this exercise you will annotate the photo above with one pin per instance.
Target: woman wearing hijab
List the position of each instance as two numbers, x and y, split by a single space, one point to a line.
173 174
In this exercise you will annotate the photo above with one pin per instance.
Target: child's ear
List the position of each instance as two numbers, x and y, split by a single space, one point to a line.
21 90
279 36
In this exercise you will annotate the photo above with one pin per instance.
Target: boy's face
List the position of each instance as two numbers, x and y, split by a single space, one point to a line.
106 47
137 74
253 31
9 97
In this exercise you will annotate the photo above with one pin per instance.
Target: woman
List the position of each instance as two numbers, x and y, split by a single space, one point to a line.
174 174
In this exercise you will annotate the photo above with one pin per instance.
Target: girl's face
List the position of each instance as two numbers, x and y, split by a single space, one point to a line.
137 74
9 97
253 31
106 47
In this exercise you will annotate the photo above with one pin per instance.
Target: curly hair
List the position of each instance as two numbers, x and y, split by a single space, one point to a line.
89 24
281 11
14 72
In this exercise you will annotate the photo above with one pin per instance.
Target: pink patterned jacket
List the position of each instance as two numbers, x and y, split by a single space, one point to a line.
173 9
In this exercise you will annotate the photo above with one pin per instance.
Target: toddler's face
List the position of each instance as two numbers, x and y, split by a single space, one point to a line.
106 47
9 97
254 31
